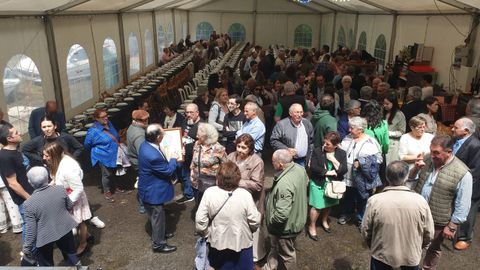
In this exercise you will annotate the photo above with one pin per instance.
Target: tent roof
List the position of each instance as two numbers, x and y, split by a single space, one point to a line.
29 7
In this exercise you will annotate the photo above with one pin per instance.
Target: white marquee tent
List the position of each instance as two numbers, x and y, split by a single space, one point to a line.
115 41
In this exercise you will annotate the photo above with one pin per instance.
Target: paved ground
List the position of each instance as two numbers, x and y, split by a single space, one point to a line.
125 244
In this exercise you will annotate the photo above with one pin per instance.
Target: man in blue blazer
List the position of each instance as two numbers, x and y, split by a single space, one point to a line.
154 185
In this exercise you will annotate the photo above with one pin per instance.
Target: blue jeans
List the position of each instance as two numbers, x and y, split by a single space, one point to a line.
183 173
353 201
378 265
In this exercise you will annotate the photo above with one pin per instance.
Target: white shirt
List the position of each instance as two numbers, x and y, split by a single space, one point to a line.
301 143
412 146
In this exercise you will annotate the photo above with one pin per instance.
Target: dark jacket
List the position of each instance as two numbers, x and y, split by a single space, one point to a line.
179 120
367 177
342 126
353 95
318 165
154 175
469 153
411 109
323 122
34 122
34 148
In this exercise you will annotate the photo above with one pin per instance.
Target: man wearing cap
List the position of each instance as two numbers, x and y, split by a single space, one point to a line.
135 138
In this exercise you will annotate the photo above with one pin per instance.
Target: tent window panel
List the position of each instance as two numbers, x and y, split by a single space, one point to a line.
236 32
161 40
110 63
341 37
362 41
204 30
79 76
380 51
303 36
148 48
169 34
22 88
134 66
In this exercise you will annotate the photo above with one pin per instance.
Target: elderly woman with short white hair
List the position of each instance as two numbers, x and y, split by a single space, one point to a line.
363 154
208 155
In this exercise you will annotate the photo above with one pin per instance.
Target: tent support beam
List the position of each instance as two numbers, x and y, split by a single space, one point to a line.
174 26
52 55
165 5
371 3
66 6
255 6
155 38
459 5
392 38
135 5
122 49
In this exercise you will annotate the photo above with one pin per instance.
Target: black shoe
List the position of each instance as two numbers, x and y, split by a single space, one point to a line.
327 230
184 200
91 240
165 249
169 235
313 237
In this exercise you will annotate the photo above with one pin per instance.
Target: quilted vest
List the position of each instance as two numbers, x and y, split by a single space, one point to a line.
442 196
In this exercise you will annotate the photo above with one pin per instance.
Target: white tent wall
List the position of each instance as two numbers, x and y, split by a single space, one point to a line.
195 18
106 26
181 24
272 29
25 35
137 23
70 30
437 32
347 22
374 26
327 28
145 22
163 18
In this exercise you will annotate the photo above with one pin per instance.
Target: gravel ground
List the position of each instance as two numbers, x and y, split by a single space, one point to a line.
125 243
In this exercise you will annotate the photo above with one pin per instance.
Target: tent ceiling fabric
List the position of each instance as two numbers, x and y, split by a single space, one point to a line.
322 6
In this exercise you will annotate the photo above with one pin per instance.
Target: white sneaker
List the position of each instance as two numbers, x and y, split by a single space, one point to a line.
97 222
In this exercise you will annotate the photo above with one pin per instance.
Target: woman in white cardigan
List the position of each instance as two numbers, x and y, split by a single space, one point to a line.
228 217
65 171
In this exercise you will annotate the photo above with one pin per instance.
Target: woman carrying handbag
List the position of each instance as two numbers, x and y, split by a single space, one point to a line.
328 163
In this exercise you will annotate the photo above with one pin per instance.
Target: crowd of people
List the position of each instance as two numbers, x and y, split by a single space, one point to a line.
338 137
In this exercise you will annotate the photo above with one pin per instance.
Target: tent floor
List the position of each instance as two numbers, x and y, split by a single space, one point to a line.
125 244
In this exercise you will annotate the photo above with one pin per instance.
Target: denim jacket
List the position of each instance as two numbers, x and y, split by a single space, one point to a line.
366 176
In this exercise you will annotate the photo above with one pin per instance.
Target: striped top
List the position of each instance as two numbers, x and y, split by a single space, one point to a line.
46 216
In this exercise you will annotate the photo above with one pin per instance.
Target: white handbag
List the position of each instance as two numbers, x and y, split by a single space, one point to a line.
335 189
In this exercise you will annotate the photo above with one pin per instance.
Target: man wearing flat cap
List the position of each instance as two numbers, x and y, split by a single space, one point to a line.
135 138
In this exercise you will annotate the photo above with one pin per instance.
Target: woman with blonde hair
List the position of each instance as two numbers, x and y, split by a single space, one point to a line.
219 109
65 171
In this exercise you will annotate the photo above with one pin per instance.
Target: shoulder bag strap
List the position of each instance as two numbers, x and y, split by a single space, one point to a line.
220 209
199 160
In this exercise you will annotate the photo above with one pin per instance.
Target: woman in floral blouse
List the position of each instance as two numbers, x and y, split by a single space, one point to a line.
208 154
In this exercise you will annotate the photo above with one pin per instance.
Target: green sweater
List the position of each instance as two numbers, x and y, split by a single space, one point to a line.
380 134
286 212
322 123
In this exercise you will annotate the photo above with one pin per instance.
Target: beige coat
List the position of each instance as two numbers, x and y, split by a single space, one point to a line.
397 225
252 170
232 228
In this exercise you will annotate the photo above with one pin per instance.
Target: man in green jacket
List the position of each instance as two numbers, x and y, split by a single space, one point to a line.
322 120
286 212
